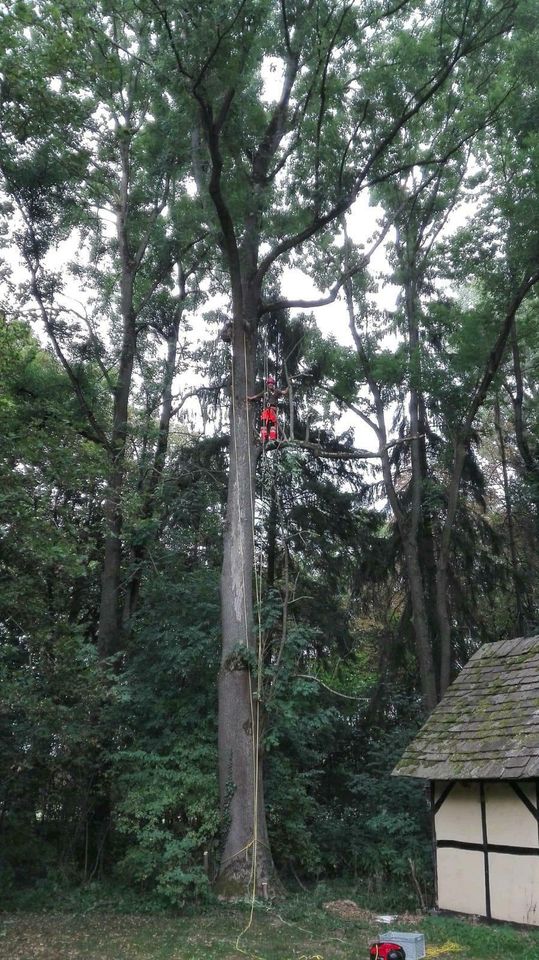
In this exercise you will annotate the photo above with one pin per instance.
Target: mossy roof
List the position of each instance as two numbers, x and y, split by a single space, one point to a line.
487 725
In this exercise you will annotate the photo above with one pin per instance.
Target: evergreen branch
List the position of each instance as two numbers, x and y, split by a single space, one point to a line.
349 453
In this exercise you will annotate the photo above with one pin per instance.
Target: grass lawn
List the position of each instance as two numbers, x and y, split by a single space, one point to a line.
297 929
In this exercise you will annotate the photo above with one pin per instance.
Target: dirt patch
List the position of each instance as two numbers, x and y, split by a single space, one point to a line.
348 910
411 919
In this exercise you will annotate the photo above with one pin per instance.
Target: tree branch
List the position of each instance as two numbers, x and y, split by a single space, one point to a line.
336 693
347 275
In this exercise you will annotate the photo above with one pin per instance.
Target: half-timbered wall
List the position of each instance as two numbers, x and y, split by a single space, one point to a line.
487 848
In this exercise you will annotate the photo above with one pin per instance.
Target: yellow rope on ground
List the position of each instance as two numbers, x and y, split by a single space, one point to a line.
449 947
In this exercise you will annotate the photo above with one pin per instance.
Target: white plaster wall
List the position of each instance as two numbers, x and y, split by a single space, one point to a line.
461 881
459 817
513 878
514 888
508 820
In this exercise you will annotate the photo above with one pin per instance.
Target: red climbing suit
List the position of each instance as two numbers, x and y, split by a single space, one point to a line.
268 430
268 417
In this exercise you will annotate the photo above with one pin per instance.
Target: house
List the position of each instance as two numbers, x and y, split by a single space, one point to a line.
480 751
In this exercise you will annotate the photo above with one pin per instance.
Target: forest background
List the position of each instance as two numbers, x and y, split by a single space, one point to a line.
212 651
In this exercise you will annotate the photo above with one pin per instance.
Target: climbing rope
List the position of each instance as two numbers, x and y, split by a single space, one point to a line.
255 697
254 701
449 947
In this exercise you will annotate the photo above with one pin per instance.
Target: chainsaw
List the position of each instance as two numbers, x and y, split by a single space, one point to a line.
387 951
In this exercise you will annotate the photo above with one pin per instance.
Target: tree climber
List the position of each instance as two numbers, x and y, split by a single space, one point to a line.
269 429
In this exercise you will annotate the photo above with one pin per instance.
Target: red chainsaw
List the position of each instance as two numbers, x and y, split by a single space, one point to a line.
387 951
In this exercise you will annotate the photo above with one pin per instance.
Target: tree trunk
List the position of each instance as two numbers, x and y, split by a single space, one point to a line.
442 579
420 619
246 856
428 559
109 626
530 461
413 568
148 508
412 536
408 526
108 631
272 531
519 611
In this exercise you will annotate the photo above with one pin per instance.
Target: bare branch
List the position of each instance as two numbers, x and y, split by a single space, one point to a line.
415 103
346 276
179 63
336 693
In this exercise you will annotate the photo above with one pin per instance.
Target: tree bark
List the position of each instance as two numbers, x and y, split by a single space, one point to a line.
530 461
246 854
413 529
148 508
408 526
519 611
108 631
462 438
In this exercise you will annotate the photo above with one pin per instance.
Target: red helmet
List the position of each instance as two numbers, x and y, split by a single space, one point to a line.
270 381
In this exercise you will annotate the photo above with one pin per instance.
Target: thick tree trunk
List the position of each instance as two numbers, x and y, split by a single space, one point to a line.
413 570
246 855
109 624
272 532
108 632
428 558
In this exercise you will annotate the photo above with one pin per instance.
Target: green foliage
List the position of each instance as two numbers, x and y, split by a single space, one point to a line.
279 931
168 811
108 767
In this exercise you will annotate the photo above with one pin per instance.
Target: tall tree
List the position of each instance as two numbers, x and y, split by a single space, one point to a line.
281 171
94 155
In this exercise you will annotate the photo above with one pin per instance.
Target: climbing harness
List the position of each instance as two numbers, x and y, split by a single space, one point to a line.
269 429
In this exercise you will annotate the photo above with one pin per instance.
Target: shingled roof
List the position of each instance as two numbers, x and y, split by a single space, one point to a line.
487 725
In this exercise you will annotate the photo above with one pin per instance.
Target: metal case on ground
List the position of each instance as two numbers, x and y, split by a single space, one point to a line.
412 943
